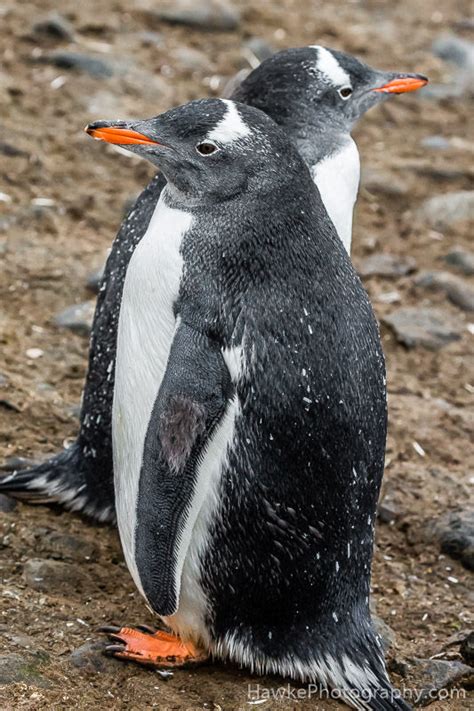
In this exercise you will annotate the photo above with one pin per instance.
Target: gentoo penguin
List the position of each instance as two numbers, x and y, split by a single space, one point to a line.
317 95
249 411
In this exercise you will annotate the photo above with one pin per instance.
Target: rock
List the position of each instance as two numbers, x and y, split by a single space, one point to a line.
13 464
260 49
467 648
462 260
386 265
378 182
459 53
7 505
151 39
90 658
129 204
52 575
234 82
96 67
54 26
443 211
191 59
386 634
436 143
94 279
22 668
8 149
430 676
204 14
65 546
78 318
455 534
458 291
387 512
430 328
455 50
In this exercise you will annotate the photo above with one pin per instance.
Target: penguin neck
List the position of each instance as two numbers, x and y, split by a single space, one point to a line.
334 163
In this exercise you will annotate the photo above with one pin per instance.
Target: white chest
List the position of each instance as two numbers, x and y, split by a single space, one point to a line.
337 178
145 333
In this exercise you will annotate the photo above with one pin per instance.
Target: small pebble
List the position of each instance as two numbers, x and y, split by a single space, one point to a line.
34 353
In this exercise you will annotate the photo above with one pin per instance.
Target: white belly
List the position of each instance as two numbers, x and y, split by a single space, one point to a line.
337 178
145 333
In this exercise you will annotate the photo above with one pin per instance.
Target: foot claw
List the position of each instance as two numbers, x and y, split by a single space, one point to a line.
109 629
147 646
144 628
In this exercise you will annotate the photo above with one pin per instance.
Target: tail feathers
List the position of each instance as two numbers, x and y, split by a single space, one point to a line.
362 682
58 480
345 662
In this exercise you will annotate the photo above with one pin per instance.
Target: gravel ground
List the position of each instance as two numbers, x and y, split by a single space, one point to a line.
62 200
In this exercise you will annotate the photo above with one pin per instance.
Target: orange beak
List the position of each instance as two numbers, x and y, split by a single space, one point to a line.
401 85
117 135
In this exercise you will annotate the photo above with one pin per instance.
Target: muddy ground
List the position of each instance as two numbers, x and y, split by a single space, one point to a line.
49 249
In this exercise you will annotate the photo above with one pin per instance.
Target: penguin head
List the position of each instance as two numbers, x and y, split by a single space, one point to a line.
211 147
315 88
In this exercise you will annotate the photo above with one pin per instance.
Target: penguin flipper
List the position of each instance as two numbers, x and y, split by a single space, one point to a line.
174 479
152 648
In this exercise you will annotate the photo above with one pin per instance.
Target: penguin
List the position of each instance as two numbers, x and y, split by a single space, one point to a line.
317 95
249 412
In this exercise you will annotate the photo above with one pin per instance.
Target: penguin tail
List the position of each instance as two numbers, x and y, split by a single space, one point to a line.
360 676
61 480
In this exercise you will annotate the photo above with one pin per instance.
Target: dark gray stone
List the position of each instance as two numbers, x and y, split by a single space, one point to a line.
259 48
204 14
77 318
65 546
22 668
454 49
129 204
430 676
54 26
443 211
458 291
7 504
52 575
90 658
13 464
376 181
387 512
455 535
462 260
430 328
8 149
191 59
96 67
386 634
94 280
151 39
386 265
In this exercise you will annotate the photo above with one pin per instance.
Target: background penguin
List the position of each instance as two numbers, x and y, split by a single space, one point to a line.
316 95
249 413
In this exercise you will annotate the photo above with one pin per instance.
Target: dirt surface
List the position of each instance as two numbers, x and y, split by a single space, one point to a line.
50 249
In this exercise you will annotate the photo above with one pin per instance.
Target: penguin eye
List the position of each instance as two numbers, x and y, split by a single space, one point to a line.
345 92
206 148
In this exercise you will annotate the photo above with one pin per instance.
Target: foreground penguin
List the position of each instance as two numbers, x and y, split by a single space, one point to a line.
249 412
316 95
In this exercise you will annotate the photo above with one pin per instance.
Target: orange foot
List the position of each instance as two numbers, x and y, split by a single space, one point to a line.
147 646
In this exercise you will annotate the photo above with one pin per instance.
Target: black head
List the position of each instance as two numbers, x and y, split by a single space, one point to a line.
315 87
212 148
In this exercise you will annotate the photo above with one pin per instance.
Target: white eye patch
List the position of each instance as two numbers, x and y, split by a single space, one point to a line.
328 65
231 127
